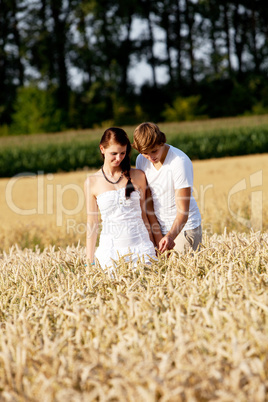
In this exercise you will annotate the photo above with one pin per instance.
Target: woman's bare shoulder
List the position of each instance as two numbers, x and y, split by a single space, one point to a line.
137 173
138 177
92 179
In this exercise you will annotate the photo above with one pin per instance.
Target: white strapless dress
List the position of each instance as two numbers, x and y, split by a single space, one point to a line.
123 230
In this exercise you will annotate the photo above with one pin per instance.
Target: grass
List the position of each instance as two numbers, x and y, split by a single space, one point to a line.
71 151
198 127
190 328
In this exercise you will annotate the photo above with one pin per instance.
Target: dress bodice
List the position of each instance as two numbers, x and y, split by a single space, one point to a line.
115 207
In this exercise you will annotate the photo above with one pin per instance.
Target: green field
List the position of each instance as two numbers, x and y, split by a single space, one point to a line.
75 150
198 127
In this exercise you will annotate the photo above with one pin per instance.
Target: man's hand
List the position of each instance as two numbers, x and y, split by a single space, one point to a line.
182 198
166 243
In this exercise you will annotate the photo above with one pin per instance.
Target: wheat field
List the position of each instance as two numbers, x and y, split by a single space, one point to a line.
191 328
46 210
187 328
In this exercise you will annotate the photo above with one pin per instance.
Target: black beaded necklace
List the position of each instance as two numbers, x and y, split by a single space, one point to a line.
112 182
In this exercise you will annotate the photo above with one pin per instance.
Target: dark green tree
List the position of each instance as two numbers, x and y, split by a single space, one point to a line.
46 35
12 73
213 48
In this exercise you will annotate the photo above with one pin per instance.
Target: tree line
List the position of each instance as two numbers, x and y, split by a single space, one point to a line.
214 54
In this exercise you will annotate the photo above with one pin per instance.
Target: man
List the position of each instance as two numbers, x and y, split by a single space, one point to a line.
169 174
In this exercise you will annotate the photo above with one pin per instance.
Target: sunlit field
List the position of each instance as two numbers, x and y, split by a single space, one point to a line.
192 328
45 210
187 328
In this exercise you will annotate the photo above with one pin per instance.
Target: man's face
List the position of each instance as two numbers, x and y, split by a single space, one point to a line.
154 154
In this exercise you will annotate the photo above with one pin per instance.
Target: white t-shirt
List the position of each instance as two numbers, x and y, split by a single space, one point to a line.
175 173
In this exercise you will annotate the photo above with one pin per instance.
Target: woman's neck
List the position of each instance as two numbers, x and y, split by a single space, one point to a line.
111 170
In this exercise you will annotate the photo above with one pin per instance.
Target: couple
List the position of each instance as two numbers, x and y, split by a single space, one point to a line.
136 218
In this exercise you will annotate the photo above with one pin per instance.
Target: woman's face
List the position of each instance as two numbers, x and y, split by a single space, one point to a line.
155 154
114 153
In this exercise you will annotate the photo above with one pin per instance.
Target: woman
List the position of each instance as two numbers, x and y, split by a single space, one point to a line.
169 173
118 192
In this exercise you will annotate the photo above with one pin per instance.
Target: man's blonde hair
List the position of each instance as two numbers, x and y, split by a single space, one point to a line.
147 136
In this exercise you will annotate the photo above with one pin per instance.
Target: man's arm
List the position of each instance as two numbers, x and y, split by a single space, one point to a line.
182 199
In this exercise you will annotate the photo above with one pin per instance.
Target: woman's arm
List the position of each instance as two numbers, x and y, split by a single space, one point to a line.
182 199
155 227
92 221
143 210
140 182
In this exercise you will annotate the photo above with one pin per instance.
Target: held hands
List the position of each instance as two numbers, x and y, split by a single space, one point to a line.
166 243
